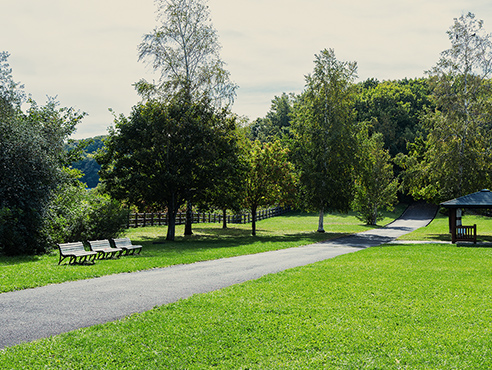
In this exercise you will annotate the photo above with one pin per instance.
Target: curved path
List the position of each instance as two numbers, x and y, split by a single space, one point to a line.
31 314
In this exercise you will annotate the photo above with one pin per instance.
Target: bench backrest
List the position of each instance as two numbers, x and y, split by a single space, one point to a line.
122 242
99 244
71 247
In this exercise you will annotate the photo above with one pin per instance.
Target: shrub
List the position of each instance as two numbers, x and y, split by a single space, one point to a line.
77 214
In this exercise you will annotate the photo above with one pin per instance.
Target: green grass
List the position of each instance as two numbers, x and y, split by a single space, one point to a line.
392 307
209 241
438 229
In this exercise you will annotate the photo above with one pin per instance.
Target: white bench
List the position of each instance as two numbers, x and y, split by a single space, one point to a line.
75 251
104 249
127 246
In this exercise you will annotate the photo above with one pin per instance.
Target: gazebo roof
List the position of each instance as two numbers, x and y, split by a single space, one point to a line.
480 199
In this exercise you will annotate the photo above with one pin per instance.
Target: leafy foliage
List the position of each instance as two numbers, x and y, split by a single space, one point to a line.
454 158
393 108
184 48
88 164
324 135
375 184
163 154
277 123
270 177
32 156
77 214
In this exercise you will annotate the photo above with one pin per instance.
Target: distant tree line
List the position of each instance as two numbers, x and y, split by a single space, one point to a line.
87 164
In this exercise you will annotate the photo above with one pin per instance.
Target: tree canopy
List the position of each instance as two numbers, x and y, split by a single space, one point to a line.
453 159
184 49
32 160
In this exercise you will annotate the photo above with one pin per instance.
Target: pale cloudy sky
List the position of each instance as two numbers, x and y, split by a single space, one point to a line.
85 51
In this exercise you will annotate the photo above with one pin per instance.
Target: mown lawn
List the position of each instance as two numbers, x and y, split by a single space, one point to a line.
209 241
391 307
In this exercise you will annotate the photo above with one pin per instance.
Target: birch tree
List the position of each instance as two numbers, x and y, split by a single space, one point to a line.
453 159
324 131
185 51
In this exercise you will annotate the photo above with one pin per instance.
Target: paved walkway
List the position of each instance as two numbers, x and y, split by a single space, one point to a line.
31 314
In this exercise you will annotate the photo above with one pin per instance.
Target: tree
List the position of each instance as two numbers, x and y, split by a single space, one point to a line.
227 188
453 158
324 135
277 122
393 108
32 158
375 184
162 154
270 177
185 50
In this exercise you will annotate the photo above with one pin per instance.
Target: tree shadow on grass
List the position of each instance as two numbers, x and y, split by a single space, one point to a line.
230 238
8 261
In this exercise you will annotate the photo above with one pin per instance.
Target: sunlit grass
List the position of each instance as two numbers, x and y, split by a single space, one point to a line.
209 241
438 229
391 307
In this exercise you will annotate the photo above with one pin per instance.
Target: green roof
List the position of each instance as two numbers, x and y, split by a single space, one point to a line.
480 199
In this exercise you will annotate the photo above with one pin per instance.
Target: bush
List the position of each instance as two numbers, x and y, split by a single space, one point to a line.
19 232
77 214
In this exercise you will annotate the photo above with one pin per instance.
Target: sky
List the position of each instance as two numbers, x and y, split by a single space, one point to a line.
84 52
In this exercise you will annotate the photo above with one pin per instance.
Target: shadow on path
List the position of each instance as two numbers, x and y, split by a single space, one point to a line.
31 314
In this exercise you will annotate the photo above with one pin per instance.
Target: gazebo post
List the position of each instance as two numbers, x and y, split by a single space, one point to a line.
452 224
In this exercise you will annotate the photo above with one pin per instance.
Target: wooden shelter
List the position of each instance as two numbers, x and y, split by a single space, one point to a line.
479 200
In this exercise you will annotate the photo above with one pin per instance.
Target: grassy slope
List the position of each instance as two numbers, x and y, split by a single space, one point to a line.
411 306
209 242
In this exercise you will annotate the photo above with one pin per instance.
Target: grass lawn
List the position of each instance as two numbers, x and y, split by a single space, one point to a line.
438 229
209 241
391 307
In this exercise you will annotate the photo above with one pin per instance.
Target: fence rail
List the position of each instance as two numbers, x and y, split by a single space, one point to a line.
160 218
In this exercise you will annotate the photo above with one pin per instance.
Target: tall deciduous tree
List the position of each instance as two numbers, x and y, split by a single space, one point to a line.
325 135
454 158
155 158
32 156
270 177
185 50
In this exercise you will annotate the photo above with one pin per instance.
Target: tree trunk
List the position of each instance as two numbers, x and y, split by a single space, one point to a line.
172 210
189 219
320 221
224 219
253 227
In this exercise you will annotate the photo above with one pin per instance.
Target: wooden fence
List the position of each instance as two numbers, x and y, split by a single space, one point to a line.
160 218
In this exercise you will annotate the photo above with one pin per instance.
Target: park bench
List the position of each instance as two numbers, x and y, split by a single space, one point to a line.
466 234
104 249
75 251
127 246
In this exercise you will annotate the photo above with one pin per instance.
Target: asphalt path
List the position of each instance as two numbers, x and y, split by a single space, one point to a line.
31 314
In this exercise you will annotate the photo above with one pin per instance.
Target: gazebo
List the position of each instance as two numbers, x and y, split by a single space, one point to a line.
479 200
